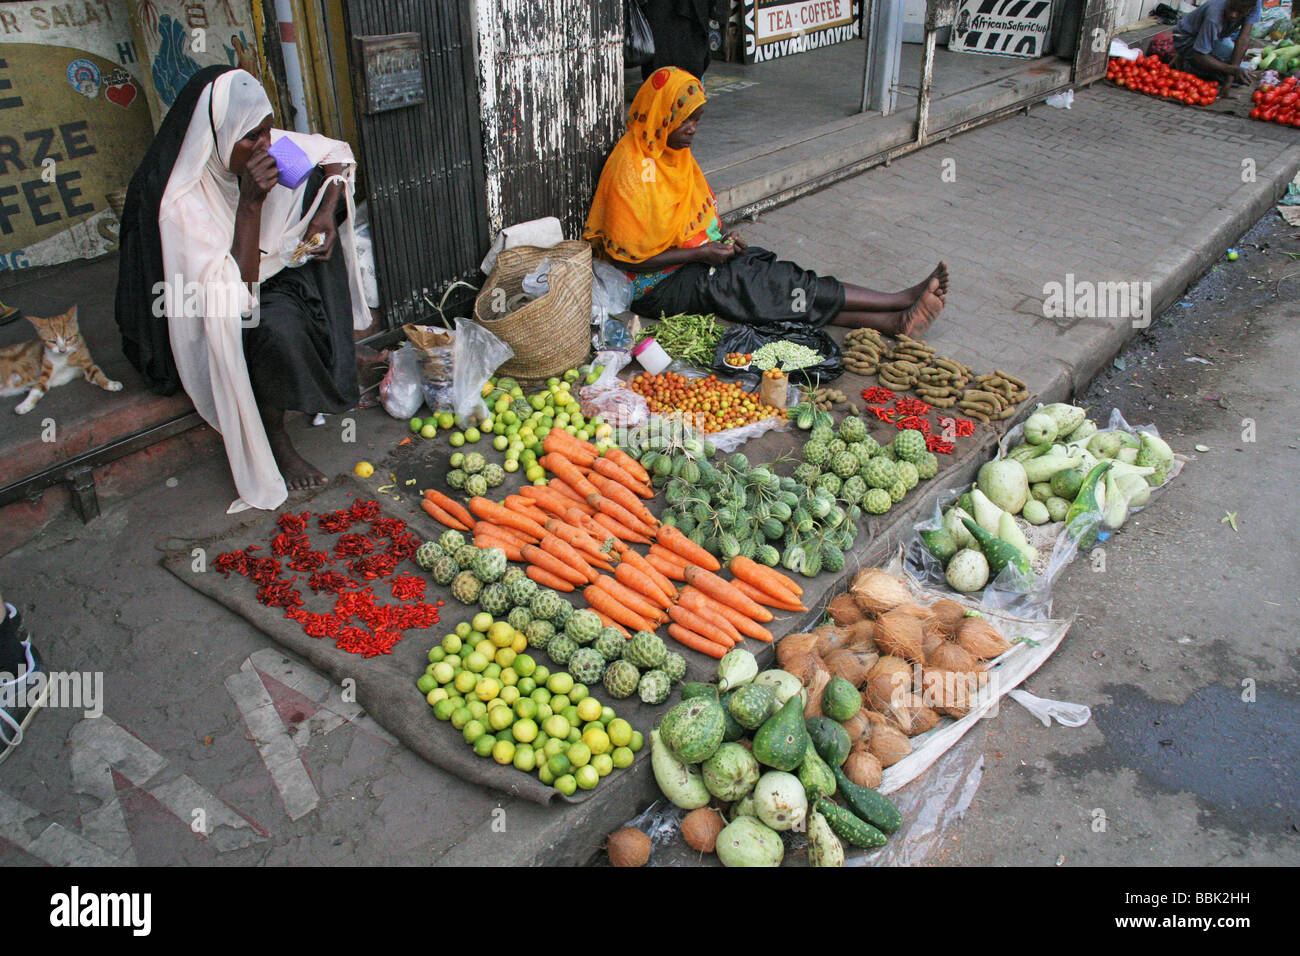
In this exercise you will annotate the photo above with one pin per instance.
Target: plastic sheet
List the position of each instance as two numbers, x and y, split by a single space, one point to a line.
748 339
609 397
611 292
478 353
401 391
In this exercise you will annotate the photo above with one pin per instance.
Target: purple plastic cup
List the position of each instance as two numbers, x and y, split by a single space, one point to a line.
293 164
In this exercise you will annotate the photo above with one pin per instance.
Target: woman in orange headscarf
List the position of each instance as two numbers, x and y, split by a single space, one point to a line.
654 216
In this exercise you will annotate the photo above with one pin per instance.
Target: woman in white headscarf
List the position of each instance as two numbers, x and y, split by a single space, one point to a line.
249 337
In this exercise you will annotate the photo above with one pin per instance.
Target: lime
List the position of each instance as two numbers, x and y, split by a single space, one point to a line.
544 774
579 754
501 442
444 709
592 725
588 708
452 644
501 634
463 631
622 757
520 642
465 681
575 735
578 693
553 746
503 752
487 688
526 685
446 420
492 670
606 714
559 703
460 717
436 696
620 732
524 665
597 741
486 648
525 731
473 731
505 735
508 676
417 424
472 435
454 660
443 672
587 777
509 695
603 763
484 745
436 654
499 718
481 622
457 439
525 759
570 714
534 472
556 726
560 683
511 465
544 713
541 674
429 431
476 662
506 657
457 459
426 683
477 709
558 764
637 741
566 784
525 708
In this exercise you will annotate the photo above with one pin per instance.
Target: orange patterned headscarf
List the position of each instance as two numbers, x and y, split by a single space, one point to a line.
651 198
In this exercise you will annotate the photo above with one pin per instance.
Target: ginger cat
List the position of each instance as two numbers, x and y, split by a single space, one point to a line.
55 357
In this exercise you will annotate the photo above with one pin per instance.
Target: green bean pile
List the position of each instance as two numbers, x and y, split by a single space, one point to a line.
687 338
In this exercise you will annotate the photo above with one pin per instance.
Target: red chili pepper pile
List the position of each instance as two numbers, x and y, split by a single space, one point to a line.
906 412
1151 75
1277 104
356 623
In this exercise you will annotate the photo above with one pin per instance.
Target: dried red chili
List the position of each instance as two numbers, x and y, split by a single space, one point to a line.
913 406
293 524
387 527
352 545
408 587
309 560
379 565
937 445
364 510
877 394
335 522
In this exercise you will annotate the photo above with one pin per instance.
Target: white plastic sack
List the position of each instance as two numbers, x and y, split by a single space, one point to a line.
611 292
1063 100
400 391
478 353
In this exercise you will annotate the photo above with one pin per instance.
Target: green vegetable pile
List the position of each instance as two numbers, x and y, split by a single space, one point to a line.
688 338
785 780
789 356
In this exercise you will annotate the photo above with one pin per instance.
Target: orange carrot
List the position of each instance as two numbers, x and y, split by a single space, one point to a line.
563 551
522 505
618 529
440 515
567 472
599 533
486 539
610 507
671 557
763 577
726 592
745 625
695 641
547 498
612 490
693 600
546 579
762 597
630 464
517 538
674 572
603 602
613 470
489 510
535 555
660 580
558 440
450 505
689 619
642 584
674 540
610 622
562 487
630 599
581 542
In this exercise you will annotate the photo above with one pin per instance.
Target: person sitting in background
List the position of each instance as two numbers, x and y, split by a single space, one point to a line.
655 217
1211 41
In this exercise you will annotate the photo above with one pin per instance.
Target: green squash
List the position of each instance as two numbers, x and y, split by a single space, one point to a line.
783 741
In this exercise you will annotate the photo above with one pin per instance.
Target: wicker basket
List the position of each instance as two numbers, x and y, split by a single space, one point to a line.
549 334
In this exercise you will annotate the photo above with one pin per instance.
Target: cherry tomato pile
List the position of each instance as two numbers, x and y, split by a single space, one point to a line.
1278 104
1151 75
714 405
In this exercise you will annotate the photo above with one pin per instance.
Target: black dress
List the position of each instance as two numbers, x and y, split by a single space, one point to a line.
681 32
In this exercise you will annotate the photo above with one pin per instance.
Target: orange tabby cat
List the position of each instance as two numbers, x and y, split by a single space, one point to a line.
57 356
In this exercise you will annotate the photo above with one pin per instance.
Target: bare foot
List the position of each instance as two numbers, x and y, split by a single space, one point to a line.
297 472
941 273
924 311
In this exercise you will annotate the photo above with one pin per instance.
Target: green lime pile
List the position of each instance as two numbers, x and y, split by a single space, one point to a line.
517 712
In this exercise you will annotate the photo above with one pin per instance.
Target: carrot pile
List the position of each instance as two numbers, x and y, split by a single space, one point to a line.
577 531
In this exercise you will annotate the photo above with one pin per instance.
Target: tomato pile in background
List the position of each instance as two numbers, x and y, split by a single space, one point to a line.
1151 75
1277 104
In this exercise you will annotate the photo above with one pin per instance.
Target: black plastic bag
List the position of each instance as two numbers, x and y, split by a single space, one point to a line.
638 41
748 339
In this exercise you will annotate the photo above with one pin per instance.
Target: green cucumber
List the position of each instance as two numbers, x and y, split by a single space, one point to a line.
1087 502
848 827
998 552
868 804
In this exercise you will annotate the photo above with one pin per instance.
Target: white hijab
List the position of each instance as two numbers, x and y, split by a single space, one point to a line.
196 223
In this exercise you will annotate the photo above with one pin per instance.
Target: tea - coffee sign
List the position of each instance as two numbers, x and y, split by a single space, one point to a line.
775 28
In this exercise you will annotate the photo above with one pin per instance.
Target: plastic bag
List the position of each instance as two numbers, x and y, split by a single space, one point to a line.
611 292
638 40
538 282
748 339
609 397
478 353
400 390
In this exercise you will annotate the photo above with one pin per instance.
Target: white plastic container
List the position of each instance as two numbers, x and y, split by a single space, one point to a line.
651 355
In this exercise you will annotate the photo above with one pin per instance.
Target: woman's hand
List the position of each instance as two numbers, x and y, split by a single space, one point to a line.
736 240
714 253
323 223
259 177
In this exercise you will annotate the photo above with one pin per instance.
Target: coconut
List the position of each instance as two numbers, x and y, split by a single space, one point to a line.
830 638
948 692
858 727
803 666
850 665
876 592
862 635
887 681
948 613
795 645
930 640
953 657
981 638
629 847
815 687
863 768
844 610
923 718
889 744
700 829
901 634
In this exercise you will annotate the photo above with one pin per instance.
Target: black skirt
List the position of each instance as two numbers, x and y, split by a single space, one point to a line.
753 287
301 353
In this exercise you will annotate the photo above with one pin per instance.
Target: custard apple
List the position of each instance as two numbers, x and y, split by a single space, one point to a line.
545 604
869 447
889 451
476 485
645 650
466 588
426 554
815 453
898 490
489 565
451 541
444 570
805 473
829 482
521 589
519 617
456 479
674 666
610 644
586 665
853 429
879 473
853 489
909 445
927 466
836 446
621 679
515 573
539 633
473 463
876 501
562 613
654 687
493 474
821 433
584 627
908 474
845 464
494 599
561 649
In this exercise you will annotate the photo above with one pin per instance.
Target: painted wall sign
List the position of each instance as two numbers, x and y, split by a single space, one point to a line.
1002 27
776 28
391 71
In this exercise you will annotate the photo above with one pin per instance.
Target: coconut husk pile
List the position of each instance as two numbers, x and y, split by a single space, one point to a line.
913 664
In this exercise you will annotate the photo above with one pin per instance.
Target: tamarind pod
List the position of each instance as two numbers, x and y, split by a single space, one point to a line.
1010 378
